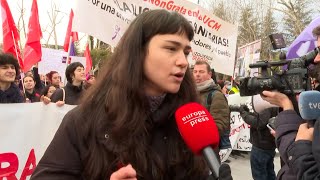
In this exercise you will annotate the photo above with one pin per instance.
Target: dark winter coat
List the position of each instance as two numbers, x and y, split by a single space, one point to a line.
11 95
260 135
72 94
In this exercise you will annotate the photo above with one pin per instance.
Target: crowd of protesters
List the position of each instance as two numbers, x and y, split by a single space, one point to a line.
33 87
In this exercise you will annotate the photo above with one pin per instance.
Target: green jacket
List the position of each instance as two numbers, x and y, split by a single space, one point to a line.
219 108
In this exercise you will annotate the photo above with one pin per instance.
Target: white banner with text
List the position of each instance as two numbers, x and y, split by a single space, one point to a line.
25 132
215 40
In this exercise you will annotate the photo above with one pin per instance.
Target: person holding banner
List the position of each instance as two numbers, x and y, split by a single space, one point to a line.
29 89
54 78
125 127
47 93
9 69
72 92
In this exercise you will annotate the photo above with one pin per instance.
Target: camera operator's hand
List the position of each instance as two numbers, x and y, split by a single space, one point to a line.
305 133
278 99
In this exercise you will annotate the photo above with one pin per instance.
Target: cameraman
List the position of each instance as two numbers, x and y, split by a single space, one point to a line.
294 146
263 142
295 141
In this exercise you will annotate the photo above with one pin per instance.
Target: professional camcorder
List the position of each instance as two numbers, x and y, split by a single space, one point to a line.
291 81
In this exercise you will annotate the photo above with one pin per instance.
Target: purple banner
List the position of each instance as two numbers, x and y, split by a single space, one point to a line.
305 42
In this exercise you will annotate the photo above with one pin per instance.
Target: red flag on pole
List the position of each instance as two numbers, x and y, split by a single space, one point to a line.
88 59
32 50
10 33
69 33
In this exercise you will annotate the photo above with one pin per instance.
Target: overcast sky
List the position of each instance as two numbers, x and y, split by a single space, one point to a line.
43 6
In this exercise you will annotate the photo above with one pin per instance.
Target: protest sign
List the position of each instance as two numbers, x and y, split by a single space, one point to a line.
214 41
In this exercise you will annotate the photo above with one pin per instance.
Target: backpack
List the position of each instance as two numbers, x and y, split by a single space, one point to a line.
224 138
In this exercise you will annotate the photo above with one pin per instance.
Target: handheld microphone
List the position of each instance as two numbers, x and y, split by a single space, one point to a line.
199 132
309 105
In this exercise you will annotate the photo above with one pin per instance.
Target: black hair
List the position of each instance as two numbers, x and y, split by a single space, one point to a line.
70 70
6 58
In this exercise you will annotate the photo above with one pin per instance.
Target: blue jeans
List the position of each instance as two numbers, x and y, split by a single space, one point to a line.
262 167
224 140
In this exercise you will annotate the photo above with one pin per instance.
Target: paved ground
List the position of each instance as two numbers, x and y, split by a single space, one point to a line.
240 166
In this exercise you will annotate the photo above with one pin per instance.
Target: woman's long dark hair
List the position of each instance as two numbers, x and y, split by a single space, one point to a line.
116 106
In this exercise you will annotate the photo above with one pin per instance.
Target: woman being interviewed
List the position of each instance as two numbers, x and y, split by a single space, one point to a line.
125 126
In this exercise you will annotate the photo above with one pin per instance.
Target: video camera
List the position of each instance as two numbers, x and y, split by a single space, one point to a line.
291 81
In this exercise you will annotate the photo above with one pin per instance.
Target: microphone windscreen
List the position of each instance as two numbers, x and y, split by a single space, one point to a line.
258 104
197 127
309 105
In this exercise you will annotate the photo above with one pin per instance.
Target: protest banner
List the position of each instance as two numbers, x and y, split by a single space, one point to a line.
26 130
240 131
247 54
214 41
55 60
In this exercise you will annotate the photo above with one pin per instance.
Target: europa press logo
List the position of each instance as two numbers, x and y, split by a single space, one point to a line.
195 118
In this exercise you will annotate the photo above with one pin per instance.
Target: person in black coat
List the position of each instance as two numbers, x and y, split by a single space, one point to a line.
263 142
9 69
30 93
71 93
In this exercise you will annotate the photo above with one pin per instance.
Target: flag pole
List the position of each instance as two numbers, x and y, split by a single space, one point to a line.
21 79
67 61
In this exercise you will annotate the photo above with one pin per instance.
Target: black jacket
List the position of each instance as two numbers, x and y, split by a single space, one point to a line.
72 94
39 85
260 135
63 159
304 156
33 97
287 125
11 95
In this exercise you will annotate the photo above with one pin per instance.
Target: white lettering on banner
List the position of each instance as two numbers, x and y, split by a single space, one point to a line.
32 134
107 20
171 6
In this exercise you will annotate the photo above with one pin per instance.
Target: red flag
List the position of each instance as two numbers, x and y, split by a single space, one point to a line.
69 34
88 59
32 50
10 33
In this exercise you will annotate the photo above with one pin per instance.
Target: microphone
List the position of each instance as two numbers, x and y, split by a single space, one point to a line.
199 132
309 105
